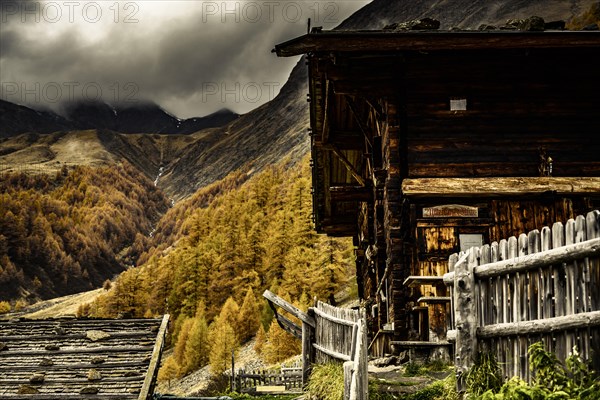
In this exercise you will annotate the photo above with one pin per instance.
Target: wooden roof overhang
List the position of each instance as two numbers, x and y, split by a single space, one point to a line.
70 358
394 41
350 71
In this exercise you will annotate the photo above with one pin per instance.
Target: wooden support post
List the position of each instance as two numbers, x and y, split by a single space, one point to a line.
232 370
466 318
348 367
306 350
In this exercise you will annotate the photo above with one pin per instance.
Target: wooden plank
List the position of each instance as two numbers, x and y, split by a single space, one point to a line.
498 186
486 297
548 325
466 317
567 253
523 281
149 381
307 338
270 389
287 325
583 285
348 369
325 124
434 299
418 343
64 381
331 318
351 193
414 280
332 353
506 293
546 278
295 311
85 324
593 231
533 290
589 248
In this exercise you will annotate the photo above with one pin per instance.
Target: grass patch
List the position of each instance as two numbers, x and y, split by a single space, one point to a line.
326 382
245 396
440 390
418 369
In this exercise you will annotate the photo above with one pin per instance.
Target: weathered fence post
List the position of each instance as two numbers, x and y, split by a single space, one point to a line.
466 316
348 367
307 350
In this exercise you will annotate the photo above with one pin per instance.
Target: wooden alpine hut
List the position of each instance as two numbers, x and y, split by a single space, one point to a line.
426 143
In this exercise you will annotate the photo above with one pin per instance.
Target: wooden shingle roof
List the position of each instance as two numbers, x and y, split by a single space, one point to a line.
80 358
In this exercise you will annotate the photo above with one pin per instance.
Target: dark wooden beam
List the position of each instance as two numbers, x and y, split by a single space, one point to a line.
288 326
351 193
349 166
347 140
339 230
359 120
325 131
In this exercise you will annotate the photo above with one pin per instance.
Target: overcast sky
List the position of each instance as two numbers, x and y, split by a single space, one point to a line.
190 57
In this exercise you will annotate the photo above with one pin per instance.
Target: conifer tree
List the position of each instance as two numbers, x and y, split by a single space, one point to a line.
197 345
182 338
280 345
249 318
169 370
223 342
230 315
261 339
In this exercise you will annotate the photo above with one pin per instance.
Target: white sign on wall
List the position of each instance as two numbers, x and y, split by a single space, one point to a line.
468 240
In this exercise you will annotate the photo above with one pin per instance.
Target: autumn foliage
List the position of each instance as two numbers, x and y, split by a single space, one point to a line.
227 248
206 262
70 231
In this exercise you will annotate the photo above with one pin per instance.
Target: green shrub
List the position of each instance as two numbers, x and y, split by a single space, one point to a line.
484 375
551 380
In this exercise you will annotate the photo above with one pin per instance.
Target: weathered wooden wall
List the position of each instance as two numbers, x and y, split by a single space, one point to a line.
517 102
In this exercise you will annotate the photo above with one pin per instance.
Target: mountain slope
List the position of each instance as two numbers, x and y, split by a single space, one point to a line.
141 117
261 137
16 119
465 14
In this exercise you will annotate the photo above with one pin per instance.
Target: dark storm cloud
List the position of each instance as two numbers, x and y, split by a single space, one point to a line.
190 57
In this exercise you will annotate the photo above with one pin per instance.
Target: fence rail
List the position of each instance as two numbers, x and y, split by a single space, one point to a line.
541 286
290 378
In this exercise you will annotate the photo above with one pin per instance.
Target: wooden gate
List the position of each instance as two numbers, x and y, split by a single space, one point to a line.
330 334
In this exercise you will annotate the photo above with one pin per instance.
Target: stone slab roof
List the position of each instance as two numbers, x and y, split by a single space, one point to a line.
80 358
